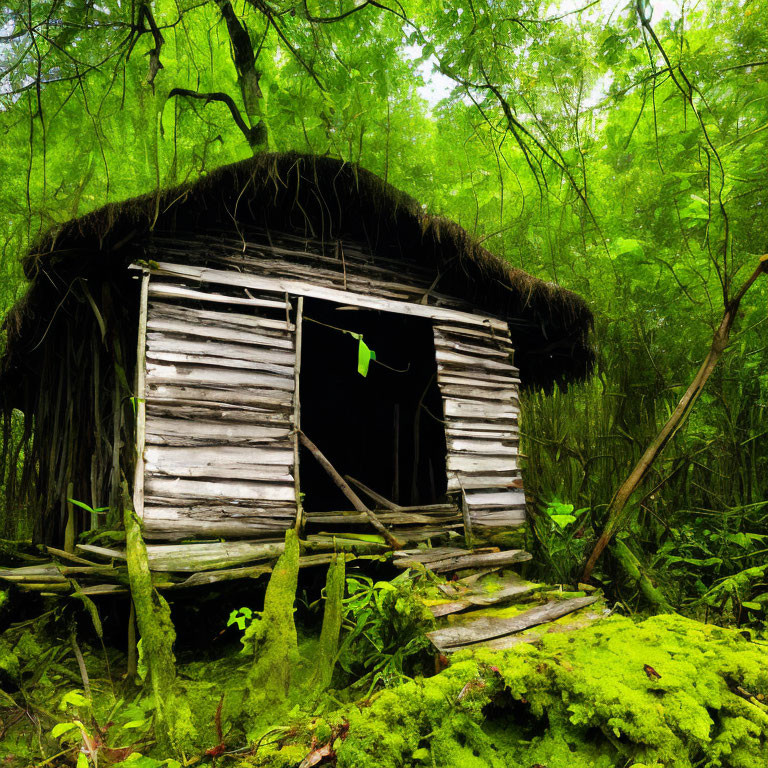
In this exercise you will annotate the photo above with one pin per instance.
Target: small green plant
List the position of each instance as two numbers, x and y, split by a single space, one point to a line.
559 536
241 618
384 625
78 707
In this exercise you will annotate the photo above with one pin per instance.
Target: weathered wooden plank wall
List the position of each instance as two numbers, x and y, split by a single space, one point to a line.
479 385
221 383
219 454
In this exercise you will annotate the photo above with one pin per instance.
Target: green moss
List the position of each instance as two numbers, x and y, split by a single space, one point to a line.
329 636
173 728
589 698
272 638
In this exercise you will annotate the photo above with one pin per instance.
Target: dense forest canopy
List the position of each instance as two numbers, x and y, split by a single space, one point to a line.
618 150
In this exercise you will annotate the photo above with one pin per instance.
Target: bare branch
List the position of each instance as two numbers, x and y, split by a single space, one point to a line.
254 136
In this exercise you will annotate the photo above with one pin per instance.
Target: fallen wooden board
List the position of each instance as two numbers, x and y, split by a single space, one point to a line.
199 557
475 600
466 560
488 628
431 554
509 641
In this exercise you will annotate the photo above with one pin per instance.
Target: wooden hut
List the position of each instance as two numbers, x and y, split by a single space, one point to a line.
171 347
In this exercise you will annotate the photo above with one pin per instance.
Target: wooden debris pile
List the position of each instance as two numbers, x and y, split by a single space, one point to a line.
494 608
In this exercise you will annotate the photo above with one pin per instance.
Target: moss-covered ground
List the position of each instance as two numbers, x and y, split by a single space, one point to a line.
663 691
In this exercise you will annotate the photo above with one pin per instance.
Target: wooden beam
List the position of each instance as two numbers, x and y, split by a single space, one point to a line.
348 492
141 386
300 515
302 288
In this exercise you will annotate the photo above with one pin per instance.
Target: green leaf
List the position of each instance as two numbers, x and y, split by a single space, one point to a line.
82 760
61 728
364 356
563 520
752 606
135 724
73 699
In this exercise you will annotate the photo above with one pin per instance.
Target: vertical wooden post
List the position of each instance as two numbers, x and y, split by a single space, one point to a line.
300 517
140 394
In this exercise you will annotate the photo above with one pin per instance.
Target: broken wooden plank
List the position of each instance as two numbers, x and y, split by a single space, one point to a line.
467 560
487 628
511 588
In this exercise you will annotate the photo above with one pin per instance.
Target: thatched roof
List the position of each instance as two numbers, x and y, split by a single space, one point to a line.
332 199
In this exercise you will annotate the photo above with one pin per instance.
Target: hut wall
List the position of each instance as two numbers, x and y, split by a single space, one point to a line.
220 379
219 414
481 406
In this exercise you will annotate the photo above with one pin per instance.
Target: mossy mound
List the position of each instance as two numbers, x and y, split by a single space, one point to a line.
665 692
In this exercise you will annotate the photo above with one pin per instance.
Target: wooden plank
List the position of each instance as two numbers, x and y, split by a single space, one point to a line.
496 519
472 362
222 489
210 376
214 430
165 530
484 352
161 342
189 329
483 447
468 380
390 518
496 394
478 464
461 430
210 556
433 554
487 628
473 409
223 472
495 499
226 454
220 413
230 397
501 335
160 357
472 376
302 288
215 509
458 481
466 560
141 385
221 318
170 291
514 591
300 514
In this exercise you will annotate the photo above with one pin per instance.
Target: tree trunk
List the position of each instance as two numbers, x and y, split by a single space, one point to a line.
675 421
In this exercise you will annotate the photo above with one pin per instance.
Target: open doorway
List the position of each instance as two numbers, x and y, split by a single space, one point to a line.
384 428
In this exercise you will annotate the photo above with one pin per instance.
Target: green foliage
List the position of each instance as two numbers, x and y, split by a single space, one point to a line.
383 630
562 140
558 531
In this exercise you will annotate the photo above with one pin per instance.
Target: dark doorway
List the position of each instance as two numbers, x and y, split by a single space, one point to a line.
383 429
